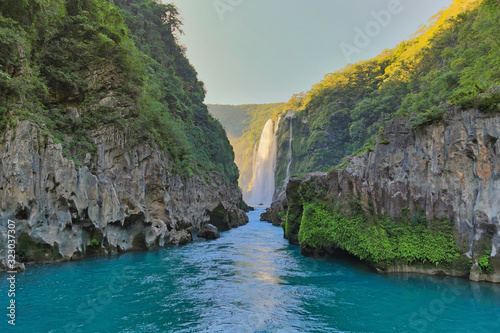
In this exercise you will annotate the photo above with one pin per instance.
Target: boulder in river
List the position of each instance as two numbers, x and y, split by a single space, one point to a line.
209 231
266 216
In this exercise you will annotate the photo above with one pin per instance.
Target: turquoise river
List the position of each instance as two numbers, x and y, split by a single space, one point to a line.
250 280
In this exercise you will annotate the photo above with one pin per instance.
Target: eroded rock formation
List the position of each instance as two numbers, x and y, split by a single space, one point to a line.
449 170
123 198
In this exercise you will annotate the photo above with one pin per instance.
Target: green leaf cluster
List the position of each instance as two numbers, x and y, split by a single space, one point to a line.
382 241
484 264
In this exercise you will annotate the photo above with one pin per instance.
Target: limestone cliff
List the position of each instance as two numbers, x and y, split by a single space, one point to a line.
449 170
105 143
123 198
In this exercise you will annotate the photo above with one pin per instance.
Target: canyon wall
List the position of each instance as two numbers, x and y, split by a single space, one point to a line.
447 171
123 198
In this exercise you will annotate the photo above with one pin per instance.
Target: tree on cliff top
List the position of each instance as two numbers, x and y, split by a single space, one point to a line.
455 59
48 48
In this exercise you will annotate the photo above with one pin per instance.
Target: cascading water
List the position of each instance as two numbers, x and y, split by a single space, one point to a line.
264 168
289 153
289 115
248 188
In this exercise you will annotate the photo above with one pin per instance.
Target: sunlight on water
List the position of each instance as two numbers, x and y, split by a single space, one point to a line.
250 280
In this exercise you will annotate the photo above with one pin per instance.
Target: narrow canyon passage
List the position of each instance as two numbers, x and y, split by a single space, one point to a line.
250 280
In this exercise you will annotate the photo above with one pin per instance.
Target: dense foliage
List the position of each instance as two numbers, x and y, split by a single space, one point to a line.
383 241
244 125
456 59
323 223
76 65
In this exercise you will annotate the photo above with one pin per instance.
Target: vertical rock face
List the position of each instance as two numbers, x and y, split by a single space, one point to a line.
449 170
123 198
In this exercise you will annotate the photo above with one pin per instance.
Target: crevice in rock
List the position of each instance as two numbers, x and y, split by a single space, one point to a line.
139 242
22 213
134 218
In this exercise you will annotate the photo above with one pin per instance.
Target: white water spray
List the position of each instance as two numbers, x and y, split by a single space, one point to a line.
264 168
289 153
290 115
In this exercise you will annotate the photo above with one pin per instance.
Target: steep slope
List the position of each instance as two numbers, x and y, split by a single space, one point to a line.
455 59
106 144
244 125
419 192
234 118
423 201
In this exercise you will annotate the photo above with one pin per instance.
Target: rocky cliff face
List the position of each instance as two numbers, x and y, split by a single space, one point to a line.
123 198
450 170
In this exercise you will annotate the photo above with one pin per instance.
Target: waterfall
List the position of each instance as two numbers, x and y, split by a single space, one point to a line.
264 168
250 184
289 154
290 115
254 163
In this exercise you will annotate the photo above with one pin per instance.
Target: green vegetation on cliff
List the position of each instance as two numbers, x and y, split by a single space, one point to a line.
73 66
234 118
456 59
379 241
322 225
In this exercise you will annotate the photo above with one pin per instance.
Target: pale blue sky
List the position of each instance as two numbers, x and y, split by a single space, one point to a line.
263 51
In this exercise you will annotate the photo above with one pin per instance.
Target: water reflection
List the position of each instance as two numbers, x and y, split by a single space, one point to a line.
247 285
250 280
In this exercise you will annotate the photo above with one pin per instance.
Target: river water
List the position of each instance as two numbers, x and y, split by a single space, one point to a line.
250 280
